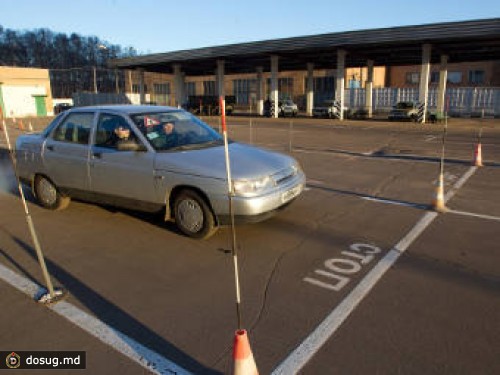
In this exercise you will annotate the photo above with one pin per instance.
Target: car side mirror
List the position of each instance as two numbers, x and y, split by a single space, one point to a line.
130 145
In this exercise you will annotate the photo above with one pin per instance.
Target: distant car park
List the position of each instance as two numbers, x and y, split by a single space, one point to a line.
404 111
329 109
287 108
61 107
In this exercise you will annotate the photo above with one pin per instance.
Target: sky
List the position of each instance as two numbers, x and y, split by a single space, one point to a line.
156 26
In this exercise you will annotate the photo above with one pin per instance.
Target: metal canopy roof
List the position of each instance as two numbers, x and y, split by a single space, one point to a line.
466 41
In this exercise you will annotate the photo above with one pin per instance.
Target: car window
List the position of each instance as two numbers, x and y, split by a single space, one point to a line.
112 129
175 130
75 128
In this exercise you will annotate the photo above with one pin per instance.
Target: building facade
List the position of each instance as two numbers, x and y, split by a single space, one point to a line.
25 92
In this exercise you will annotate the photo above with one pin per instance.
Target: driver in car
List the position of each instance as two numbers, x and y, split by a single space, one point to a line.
121 134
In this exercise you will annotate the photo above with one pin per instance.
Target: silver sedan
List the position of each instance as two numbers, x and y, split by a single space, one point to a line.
152 159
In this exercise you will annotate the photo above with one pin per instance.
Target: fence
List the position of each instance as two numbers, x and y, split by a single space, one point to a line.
467 101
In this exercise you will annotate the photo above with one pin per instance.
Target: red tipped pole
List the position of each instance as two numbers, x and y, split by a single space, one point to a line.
222 106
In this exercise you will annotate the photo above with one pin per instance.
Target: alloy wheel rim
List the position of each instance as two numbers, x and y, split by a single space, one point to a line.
190 215
47 192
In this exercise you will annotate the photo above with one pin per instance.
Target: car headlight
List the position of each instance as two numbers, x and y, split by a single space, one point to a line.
252 187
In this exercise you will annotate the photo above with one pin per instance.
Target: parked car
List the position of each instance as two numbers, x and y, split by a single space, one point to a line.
61 107
329 109
288 108
404 111
74 158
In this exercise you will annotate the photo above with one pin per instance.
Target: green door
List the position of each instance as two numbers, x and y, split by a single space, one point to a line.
41 110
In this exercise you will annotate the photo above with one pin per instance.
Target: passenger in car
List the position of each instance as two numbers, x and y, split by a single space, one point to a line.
165 136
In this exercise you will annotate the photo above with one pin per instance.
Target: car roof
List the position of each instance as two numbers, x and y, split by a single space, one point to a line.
126 108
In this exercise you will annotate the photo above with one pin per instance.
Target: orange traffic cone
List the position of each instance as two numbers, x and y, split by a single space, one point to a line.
21 126
244 364
30 127
438 203
478 158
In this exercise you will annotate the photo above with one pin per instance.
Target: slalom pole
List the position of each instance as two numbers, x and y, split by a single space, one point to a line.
54 295
251 132
234 251
439 204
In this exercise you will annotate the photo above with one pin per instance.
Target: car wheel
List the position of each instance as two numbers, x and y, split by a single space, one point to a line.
48 195
193 216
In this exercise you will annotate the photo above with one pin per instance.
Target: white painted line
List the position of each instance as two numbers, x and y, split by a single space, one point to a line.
310 346
486 217
127 346
389 201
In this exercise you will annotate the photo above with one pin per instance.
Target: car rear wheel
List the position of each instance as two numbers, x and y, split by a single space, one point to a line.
48 195
193 216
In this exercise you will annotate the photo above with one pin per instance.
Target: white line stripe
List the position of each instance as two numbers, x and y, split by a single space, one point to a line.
310 346
127 346
388 201
486 217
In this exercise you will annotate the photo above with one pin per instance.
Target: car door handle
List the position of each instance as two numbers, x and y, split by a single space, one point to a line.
50 148
97 155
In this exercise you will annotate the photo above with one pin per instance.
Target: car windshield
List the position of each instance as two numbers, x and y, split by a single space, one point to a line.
176 130
288 102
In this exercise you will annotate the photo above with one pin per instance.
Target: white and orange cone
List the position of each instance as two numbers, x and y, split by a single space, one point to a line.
438 203
478 157
30 127
21 125
244 364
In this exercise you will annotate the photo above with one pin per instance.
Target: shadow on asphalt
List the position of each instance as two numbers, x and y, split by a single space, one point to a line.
112 315
362 195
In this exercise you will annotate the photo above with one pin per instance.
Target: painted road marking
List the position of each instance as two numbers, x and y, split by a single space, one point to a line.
310 346
463 213
397 203
351 262
127 346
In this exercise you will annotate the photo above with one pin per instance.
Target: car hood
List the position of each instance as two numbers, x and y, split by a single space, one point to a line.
247 162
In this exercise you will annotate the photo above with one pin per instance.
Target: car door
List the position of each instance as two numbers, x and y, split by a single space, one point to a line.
123 178
65 152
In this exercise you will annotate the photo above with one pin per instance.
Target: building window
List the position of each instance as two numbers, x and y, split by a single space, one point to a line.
242 90
209 88
434 77
136 88
454 77
285 88
161 88
476 77
190 88
412 78
161 93
323 88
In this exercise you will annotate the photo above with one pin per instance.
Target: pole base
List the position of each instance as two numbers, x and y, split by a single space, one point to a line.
441 208
47 299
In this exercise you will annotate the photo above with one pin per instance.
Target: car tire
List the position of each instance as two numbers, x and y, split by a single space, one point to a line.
48 195
193 216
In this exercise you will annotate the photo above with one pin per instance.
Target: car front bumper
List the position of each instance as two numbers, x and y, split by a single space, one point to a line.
253 209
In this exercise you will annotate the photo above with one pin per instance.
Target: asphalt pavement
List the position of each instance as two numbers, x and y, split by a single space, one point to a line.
357 276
